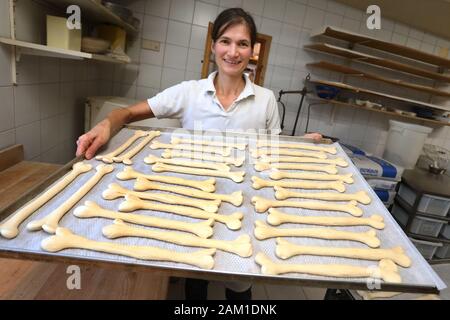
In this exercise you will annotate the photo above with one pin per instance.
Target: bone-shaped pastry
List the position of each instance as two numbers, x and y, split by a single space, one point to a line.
65 239
262 205
132 203
240 246
126 157
273 144
239 146
286 249
360 196
257 153
92 210
168 154
263 231
204 185
115 191
276 217
108 158
10 227
214 150
336 161
263 166
386 269
151 159
278 175
50 222
235 198
259 183
236 176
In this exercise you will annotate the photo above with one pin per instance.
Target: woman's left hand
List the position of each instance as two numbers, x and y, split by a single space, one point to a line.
315 136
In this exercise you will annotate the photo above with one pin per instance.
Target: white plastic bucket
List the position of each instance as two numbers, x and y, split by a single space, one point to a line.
404 143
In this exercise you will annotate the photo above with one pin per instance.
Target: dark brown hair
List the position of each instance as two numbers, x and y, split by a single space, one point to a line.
231 17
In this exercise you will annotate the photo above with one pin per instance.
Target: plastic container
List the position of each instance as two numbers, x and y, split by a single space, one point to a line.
59 36
426 248
443 252
404 143
419 225
428 204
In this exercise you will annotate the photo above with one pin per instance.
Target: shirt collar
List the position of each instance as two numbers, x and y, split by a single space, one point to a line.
247 92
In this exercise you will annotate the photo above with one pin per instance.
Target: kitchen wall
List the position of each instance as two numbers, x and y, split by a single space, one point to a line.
181 27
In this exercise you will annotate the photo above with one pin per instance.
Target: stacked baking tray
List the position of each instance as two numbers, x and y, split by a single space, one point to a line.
418 278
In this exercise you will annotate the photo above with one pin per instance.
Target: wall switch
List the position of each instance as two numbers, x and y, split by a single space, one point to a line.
151 45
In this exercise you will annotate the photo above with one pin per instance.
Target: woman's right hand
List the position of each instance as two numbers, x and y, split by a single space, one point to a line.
91 141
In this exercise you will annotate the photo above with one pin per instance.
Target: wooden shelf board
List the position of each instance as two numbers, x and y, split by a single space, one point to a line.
386 46
380 62
380 94
357 73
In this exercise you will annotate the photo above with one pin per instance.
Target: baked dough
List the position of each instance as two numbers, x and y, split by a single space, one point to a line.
151 159
126 157
360 196
276 217
236 176
239 146
168 154
214 150
262 166
236 198
241 246
204 185
263 231
273 144
278 175
108 158
386 270
10 227
50 222
286 250
65 239
262 205
132 203
92 210
257 153
115 191
336 161
259 183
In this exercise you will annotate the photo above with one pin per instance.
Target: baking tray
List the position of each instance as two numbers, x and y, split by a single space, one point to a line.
418 278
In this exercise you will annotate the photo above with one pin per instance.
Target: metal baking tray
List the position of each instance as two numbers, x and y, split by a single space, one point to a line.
418 278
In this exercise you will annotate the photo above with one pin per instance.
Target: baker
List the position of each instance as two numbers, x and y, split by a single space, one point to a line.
226 100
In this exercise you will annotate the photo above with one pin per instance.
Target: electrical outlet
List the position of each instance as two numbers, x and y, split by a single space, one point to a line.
151 45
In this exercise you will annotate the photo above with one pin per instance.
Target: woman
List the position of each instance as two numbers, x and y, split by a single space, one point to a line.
227 99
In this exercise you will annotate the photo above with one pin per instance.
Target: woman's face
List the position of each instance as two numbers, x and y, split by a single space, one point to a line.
233 50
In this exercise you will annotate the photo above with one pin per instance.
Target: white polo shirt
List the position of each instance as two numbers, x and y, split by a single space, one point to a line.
196 105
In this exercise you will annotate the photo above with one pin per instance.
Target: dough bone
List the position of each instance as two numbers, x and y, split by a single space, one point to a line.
286 249
386 269
276 217
257 153
241 246
115 191
263 166
10 227
65 239
151 159
236 176
264 231
360 196
274 144
132 203
278 175
214 150
168 154
336 161
126 157
50 222
108 158
92 210
204 185
236 198
239 146
259 183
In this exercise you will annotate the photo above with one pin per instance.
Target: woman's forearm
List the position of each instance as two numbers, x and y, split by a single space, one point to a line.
119 117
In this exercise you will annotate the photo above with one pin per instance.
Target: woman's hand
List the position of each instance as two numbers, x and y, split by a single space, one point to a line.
91 141
315 136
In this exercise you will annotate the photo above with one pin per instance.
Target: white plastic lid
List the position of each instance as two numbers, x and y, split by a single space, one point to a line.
409 126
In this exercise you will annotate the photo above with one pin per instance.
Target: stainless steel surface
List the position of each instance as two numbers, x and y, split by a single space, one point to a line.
419 278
